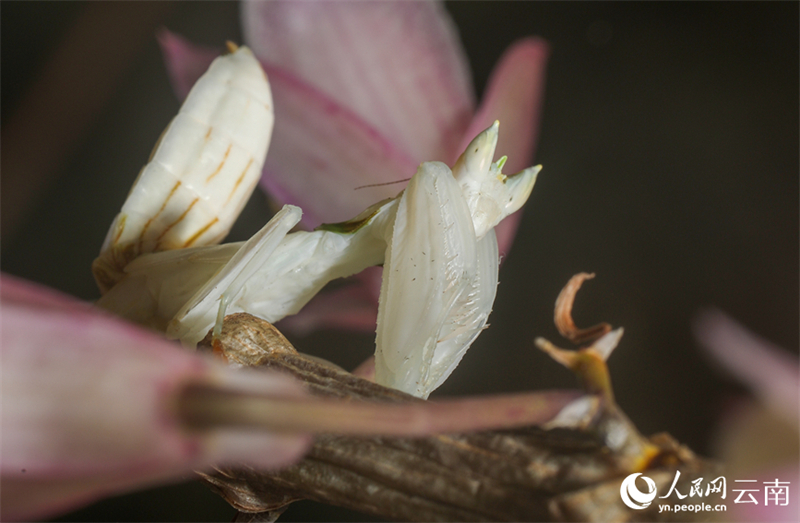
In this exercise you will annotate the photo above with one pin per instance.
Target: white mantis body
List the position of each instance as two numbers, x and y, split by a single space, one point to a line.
202 171
435 239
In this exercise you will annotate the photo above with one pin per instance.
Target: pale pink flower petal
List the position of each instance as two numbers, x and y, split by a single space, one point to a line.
349 308
88 406
514 96
366 369
353 307
185 61
772 373
321 154
397 65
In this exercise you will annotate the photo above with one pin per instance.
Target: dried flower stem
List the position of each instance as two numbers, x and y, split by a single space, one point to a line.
526 475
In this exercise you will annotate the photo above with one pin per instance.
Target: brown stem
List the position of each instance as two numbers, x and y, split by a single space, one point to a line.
203 406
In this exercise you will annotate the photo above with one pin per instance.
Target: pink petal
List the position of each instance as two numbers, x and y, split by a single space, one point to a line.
354 307
88 406
185 61
398 65
514 96
321 153
772 373
366 369
348 308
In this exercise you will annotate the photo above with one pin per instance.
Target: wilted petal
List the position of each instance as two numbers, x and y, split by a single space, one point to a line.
772 373
563 315
513 96
89 406
397 65
429 270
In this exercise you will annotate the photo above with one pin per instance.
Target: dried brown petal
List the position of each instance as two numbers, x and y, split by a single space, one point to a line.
563 315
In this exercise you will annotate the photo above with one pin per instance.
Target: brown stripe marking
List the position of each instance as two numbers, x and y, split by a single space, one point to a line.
219 167
199 233
173 224
150 221
239 181
120 229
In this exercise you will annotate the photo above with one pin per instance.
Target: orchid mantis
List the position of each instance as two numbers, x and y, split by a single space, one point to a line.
160 265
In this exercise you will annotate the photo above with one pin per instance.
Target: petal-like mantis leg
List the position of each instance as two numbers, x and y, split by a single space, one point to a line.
468 319
209 304
430 264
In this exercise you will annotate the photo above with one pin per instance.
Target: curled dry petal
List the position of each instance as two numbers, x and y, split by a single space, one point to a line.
563 313
588 363
89 406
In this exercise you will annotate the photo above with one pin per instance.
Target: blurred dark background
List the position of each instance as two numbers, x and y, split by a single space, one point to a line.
669 141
